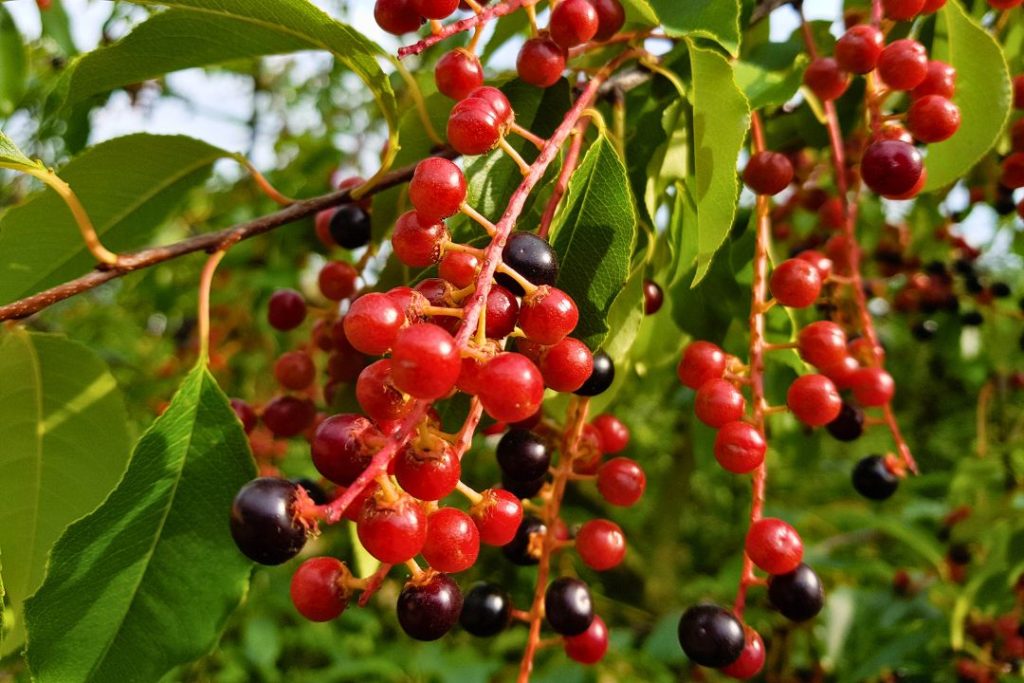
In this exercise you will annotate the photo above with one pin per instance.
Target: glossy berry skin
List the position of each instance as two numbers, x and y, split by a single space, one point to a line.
377 394
497 516
768 172
502 312
437 189
750 661
601 377
654 297
523 489
795 283
316 588
601 544
590 646
718 403
435 9
903 64
891 167
286 309
848 425
566 365
541 62
573 22
932 6
417 243
517 551
337 280
350 226
263 521
568 607
872 386
614 434
425 362
486 610
287 416
822 343
343 445
530 256
702 361
902 10
459 268
523 456
939 80
774 546
392 532
473 127
428 609
739 447
245 414
497 101
814 400
373 322
510 387
611 17
821 263
873 479
294 370
428 474
798 595
453 542
397 16
458 73
858 50
825 79
548 315
621 481
711 635
933 118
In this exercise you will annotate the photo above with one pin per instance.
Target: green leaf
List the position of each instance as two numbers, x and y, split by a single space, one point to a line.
40 244
148 580
64 446
3 604
983 93
715 19
771 74
721 117
12 64
57 27
640 11
625 315
594 235
13 158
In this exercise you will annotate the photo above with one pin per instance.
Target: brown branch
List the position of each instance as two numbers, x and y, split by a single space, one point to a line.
208 242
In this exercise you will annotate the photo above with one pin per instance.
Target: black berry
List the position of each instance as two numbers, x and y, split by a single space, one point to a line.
523 489
263 521
523 456
873 479
530 256
486 610
711 635
601 377
518 549
350 226
428 610
849 425
568 607
798 595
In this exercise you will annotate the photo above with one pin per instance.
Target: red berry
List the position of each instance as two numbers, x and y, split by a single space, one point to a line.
621 481
393 532
825 79
510 387
295 370
822 344
377 395
541 62
318 590
611 17
1017 136
718 402
590 646
502 312
497 516
397 16
891 167
499 104
701 361
246 415
425 362
932 6
614 434
832 214
435 9
1018 91
287 416
1013 171
903 64
858 50
459 268
337 280
343 445
573 22
286 309
453 542
821 263
933 118
739 447
418 244
774 546
473 127
1004 4
429 473
892 130
566 365
768 172
841 373
654 297
548 315
437 189
795 283
902 10
872 386
458 73
322 225
940 80
373 322
601 544
751 660
814 400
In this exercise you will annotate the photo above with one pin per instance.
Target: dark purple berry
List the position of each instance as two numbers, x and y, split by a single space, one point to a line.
568 607
873 479
523 456
711 635
428 610
798 595
263 521
601 377
486 610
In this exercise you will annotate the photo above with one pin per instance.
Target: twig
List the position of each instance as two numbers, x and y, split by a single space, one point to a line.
483 17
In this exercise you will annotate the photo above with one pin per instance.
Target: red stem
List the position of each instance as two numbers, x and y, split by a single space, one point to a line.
562 184
450 30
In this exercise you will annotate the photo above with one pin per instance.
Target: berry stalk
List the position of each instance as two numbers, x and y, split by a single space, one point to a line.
479 19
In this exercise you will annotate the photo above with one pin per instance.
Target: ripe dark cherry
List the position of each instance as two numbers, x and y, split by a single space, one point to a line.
437 189
739 447
317 588
822 343
858 50
872 386
263 521
486 610
774 546
498 516
246 415
510 387
568 607
1018 91
718 403
377 395
711 635
499 104
601 377
294 370
523 489
530 256
337 280
453 542
768 172
902 10
903 64
601 544
428 473
751 660
343 445
814 400
611 17
795 283
502 312
891 167
933 118
548 315
701 361
621 481
473 127
397 16
435 9
654 297
1012 172
425 362
350 226
566 365
825 79
517 551
522 455
614 434
393 532
286 309
541 62
590 646
873 479
573 22
287 416
429 608
939 80
373 322
848 425
798 595
458 73
459 268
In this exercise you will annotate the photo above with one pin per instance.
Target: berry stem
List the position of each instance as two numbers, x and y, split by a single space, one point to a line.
262 183
478 218
536 140
508 149
482 16
572 156
417 97
205 287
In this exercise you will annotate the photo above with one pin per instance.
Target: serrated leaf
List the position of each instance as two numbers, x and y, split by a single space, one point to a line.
12 63
640 11
148 580
64 446
715 19
128 186
983 93
594 236
771 75
12 157
721 117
